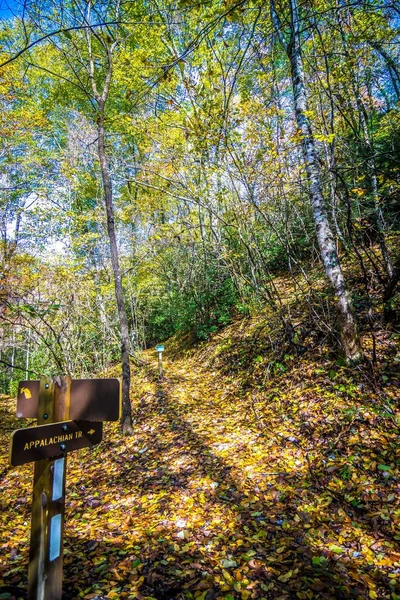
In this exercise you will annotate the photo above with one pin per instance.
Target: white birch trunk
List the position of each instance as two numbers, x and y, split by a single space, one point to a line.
325 237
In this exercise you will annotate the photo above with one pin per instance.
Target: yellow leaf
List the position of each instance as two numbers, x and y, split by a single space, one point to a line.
226 575
26 392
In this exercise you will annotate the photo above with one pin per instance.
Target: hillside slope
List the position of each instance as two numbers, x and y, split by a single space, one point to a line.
248 476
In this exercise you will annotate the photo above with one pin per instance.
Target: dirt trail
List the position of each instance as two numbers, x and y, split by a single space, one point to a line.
222 493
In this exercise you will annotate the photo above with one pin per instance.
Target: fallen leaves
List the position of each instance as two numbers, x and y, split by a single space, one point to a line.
286 491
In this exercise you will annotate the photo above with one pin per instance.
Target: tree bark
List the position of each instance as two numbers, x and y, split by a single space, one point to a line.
126 421
101 99
348 326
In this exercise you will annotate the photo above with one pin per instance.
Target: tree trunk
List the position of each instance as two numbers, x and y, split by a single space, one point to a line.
325 237
371 168
126 421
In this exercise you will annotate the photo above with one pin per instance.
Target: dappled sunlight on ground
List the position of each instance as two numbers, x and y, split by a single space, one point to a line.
287 489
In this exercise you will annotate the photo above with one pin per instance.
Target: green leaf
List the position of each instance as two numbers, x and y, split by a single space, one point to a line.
228 564
248 555
335 549
319 561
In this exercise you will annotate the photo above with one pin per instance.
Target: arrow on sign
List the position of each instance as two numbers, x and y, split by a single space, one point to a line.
91 432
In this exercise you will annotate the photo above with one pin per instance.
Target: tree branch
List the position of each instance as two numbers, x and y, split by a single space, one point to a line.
52 34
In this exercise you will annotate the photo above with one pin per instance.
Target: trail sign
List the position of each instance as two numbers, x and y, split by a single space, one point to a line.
70 415
48 441
91 400
160 349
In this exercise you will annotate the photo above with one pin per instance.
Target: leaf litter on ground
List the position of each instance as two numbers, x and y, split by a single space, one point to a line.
233 486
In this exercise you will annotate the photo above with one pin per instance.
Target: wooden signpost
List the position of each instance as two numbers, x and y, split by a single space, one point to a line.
69 416
160 349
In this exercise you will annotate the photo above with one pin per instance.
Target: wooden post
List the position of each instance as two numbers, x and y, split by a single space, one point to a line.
46 548
160 368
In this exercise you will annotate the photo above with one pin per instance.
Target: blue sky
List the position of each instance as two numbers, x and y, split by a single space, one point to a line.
10 8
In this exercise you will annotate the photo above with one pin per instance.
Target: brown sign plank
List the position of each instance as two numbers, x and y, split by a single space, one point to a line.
91 399
48 441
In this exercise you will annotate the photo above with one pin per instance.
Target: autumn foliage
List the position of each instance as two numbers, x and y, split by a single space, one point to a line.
222 177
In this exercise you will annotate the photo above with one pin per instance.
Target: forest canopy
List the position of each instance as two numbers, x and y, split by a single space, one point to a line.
161 163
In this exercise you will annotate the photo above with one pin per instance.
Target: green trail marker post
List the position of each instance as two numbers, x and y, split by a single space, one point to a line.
160 349
69 416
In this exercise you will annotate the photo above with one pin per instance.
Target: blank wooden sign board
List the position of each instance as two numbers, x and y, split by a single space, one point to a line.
90 399
70 415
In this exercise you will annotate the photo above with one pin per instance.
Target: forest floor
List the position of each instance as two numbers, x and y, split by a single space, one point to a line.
245 478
